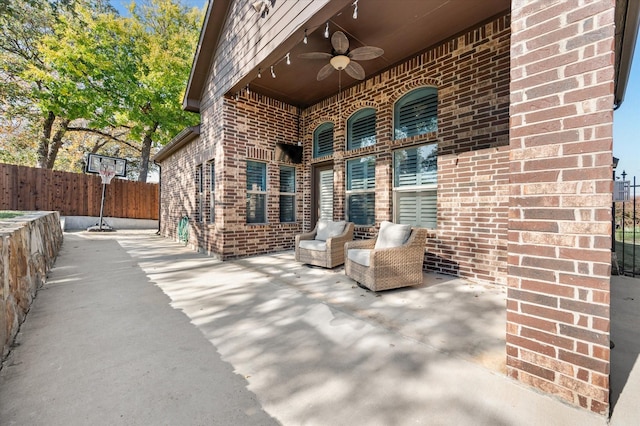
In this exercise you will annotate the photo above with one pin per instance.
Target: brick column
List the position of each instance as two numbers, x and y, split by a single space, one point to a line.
562 70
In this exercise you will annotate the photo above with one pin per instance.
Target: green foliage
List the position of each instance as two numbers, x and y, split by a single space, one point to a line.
91 70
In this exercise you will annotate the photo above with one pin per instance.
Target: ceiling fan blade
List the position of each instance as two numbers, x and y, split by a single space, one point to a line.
365 53
355 70
340 42
315 55
325 72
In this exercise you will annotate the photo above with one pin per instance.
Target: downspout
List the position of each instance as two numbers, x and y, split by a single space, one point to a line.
159 197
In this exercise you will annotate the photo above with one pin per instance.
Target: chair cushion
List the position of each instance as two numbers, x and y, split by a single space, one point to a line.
316 245
392 235
328 229
360 256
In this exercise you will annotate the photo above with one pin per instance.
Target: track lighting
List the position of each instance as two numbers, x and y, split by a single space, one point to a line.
326 31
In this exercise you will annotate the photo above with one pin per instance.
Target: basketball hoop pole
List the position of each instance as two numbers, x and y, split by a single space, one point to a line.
104 187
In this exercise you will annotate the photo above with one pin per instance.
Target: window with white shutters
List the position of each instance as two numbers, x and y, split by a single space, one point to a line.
326 194
415 182
212 185
416 113
323 140
361 129
361 185
287 194
256 192
199 194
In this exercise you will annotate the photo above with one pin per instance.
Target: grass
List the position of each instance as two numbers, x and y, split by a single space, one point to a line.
6 214
627 259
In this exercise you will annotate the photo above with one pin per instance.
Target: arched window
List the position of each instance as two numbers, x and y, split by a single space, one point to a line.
416 113
361 129
323 140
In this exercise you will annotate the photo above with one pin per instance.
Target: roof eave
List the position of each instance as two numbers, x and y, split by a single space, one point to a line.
627 46
212 27
179 140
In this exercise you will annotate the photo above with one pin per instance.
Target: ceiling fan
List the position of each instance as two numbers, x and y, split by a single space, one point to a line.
341 58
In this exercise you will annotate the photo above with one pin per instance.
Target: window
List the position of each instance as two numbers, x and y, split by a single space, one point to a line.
287 194
415 181
416 113
199 194
256 192
361 129
212 198
361 184
323 140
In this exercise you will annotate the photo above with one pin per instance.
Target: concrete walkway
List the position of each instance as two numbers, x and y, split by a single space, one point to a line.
134 329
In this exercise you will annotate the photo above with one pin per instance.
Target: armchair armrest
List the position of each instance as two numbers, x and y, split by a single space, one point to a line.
361 244
339 240
307 235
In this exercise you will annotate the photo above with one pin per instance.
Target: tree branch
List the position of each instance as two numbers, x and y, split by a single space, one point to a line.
101 133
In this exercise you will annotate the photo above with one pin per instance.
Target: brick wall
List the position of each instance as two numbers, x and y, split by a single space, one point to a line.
471 73
560 209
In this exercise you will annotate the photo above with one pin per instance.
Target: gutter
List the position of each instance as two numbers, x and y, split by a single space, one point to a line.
629 34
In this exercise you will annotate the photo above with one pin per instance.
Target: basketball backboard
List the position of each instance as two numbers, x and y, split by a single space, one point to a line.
96 162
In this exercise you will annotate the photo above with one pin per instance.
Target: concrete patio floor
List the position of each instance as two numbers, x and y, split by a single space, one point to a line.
132 328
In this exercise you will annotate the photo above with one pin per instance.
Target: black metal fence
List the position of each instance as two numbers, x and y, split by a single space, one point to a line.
626 226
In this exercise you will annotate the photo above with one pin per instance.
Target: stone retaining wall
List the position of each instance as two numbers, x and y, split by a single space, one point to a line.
29 245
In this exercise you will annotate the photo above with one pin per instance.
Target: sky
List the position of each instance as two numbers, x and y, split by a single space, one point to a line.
626 120
626 124
121 5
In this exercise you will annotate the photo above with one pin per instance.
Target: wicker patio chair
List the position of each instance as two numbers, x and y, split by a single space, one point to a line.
314 249
386 268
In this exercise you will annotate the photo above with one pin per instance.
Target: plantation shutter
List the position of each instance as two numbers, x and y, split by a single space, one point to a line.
361 174
418 208
323 140
361 185
416 113
256 192
362 129
326 194
256 176
287 194
415 186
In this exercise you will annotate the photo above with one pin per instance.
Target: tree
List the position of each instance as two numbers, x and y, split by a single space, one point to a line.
130 72
29 87
168 34
83 68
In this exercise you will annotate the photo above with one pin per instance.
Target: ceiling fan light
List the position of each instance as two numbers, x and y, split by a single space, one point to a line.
340 62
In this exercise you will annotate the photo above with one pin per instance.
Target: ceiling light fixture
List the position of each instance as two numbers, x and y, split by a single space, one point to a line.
288 59
248 91
326 31
355 9
340 62
273 74
305 40
259 73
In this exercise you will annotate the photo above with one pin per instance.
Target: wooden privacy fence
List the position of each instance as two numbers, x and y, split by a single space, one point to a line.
74 194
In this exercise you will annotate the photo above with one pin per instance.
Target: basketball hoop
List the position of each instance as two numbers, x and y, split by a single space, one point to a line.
107 171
